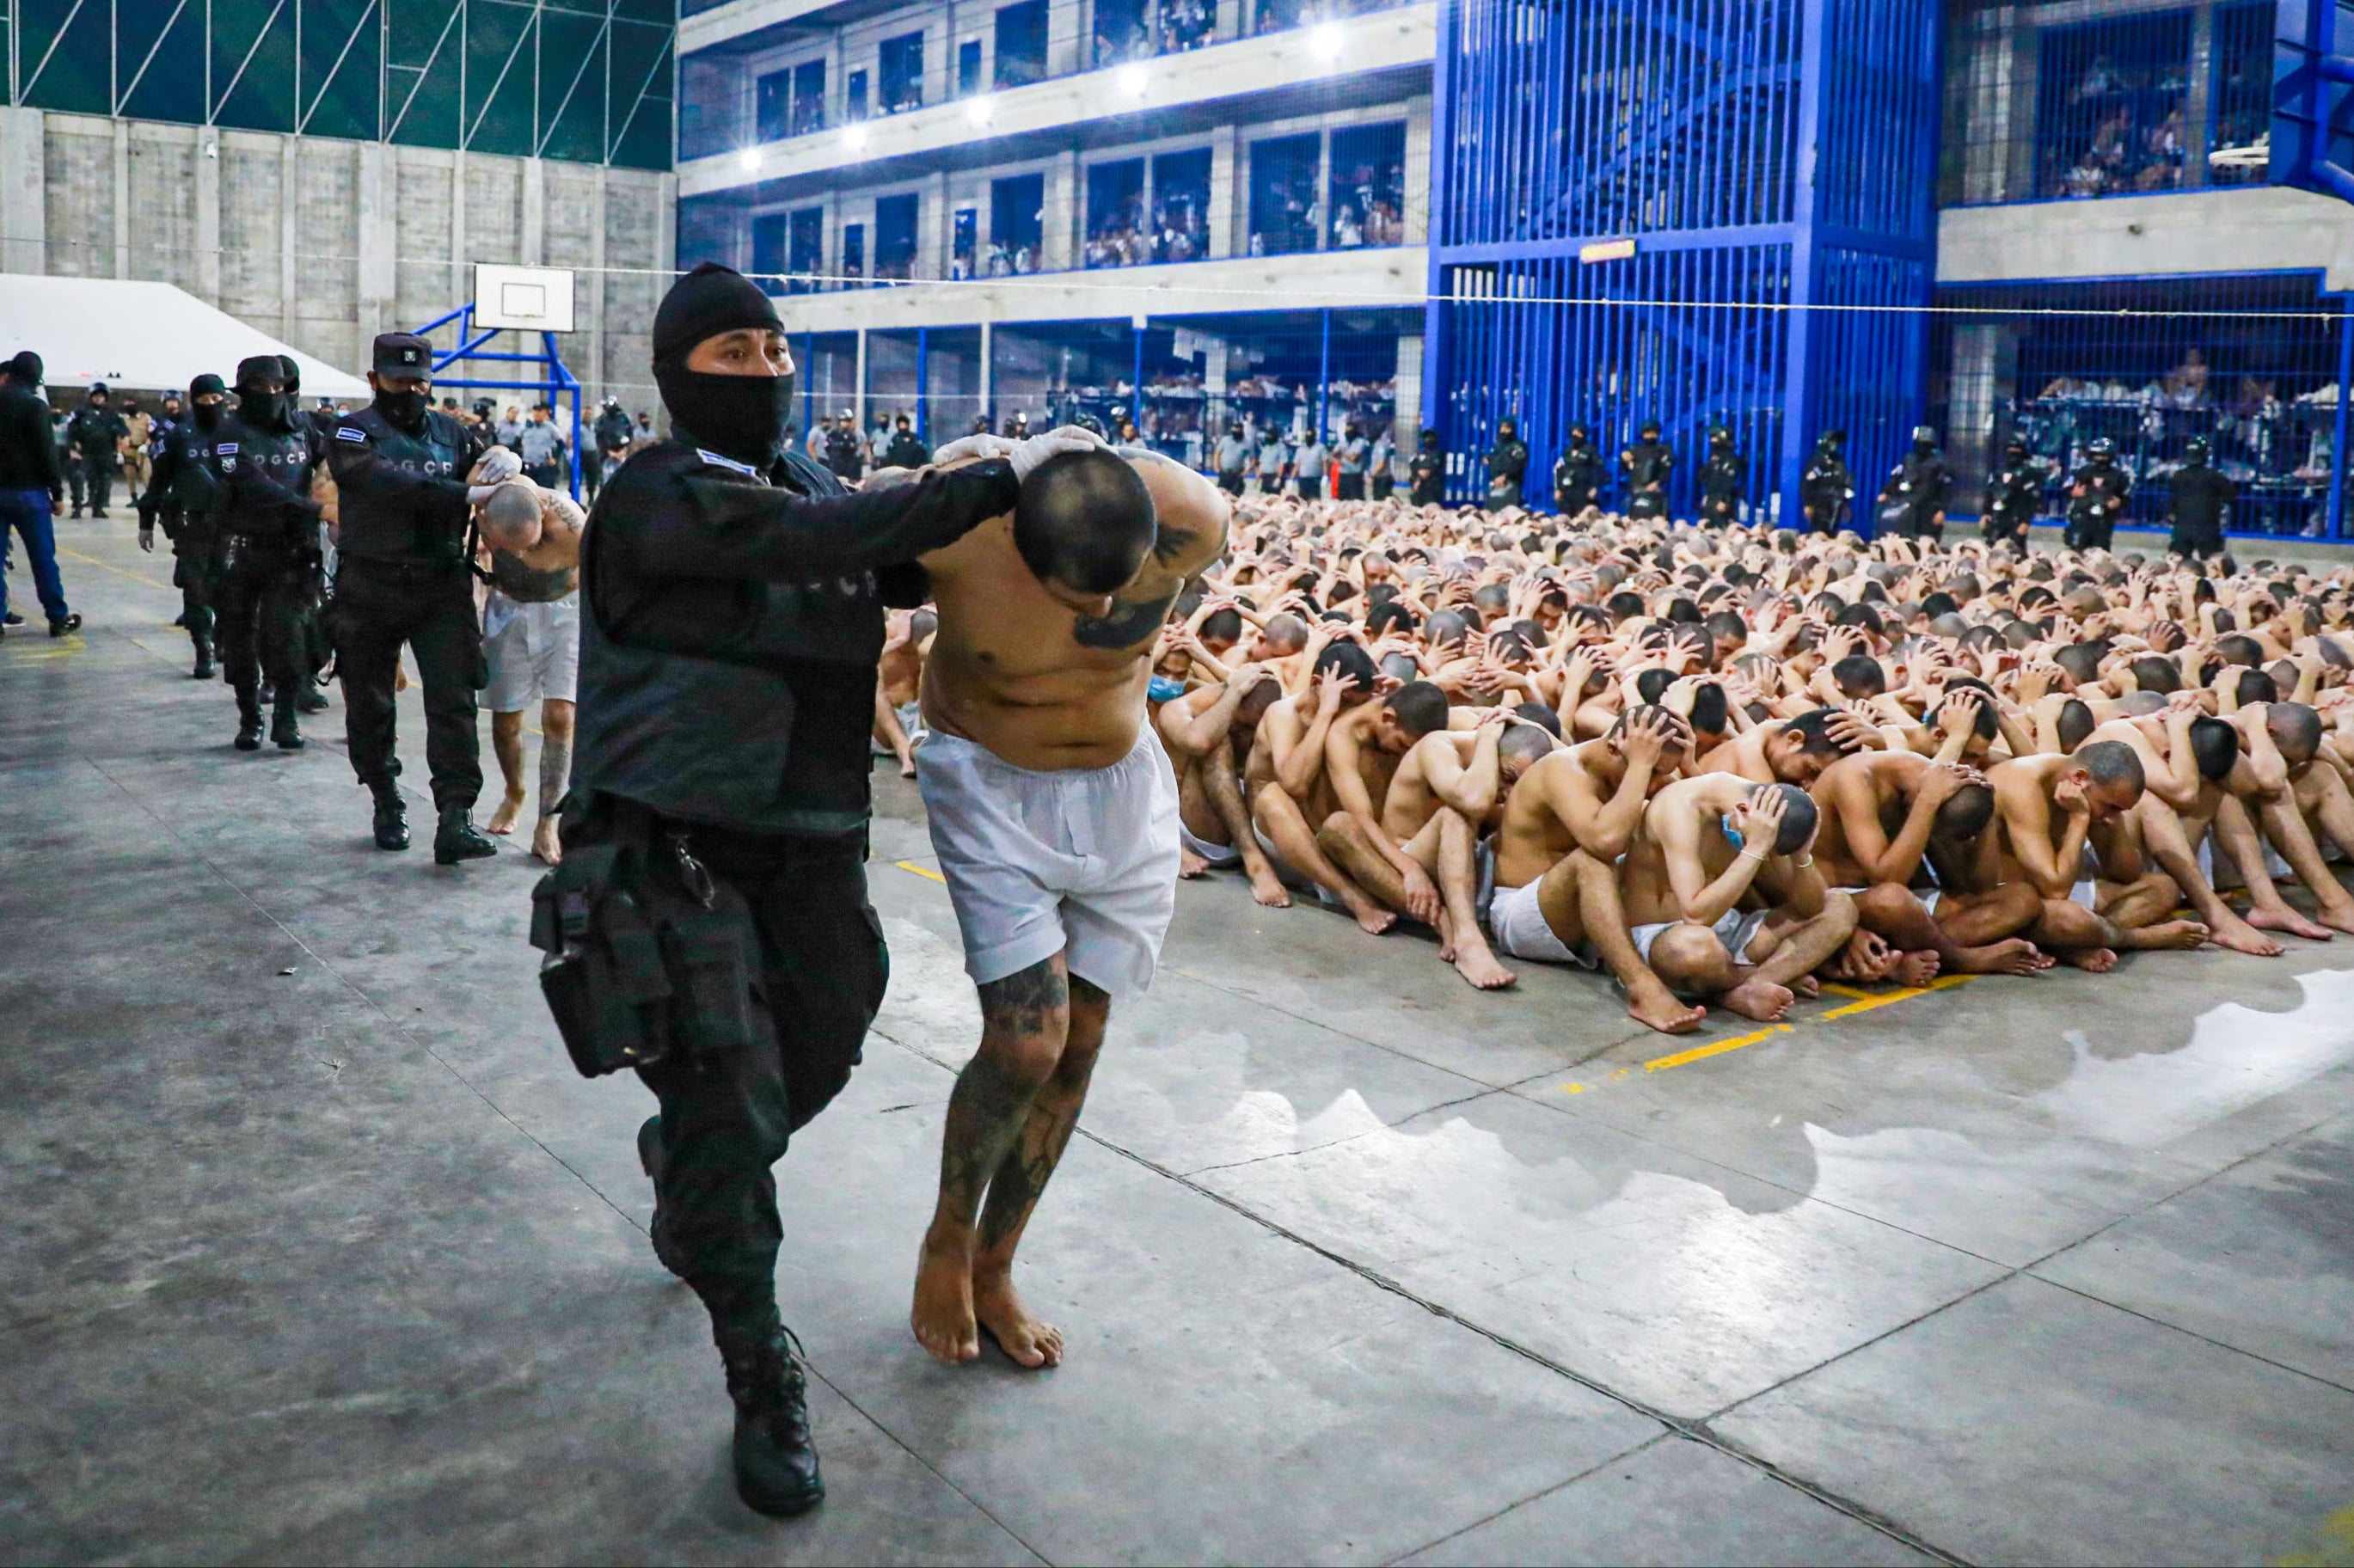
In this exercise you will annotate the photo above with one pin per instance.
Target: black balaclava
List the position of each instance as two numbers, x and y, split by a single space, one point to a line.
207 416
741 417
262 410
26 369
405 410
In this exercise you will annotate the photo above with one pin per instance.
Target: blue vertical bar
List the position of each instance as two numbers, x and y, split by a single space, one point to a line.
923 387
1441 231
809 386
1136 381
1323 376
1798 391
2337 436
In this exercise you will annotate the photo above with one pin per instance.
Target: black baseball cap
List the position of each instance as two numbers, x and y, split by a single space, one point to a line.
403 354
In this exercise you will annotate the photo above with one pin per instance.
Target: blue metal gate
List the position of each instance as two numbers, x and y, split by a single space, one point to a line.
1696 211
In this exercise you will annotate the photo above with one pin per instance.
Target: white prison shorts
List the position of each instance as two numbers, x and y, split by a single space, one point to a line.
1521 930
532 650
1081 861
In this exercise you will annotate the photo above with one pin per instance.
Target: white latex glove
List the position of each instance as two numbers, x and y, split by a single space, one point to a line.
478 493
1029 454
497 466
975 448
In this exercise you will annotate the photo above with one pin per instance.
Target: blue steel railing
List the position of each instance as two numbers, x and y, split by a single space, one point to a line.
557 384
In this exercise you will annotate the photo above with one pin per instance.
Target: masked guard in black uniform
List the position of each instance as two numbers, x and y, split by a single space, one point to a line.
709 926
1722 478
181 488
402 576
1826 488
265 529
1913 502
2014 495
1576 473
1646 466
2201 499
2097 497
1427 475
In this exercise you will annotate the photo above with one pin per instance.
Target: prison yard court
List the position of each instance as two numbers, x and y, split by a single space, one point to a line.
321 1251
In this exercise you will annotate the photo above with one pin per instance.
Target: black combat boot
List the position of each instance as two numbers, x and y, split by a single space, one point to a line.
286 728
204 659
310 699
775 1458
650 1159
456 839
391 816
248 719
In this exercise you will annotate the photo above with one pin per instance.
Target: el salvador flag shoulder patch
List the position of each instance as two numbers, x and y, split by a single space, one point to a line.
717 460
346 433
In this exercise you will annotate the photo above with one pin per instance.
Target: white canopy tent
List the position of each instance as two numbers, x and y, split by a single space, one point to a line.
149 336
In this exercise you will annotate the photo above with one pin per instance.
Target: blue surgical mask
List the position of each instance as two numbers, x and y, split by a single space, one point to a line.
1162 689
1726 822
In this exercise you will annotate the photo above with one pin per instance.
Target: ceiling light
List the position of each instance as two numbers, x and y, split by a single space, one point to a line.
855 138
1325 42
1134 80
751 159
977 111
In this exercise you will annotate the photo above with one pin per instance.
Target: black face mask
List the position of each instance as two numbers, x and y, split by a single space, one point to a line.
406 410
262 410
741 417
206 416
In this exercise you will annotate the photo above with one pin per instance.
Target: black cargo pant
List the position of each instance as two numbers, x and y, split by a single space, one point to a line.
380 606
258 593
725 1122
97 476
191 565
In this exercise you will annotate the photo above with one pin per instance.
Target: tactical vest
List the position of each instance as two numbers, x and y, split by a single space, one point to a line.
745 705
392 526
236 448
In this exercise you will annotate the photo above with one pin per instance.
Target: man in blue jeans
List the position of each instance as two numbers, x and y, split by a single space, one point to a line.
31 486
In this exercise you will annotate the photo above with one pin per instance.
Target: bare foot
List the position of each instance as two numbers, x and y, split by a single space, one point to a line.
2174 936
1807 988
1027 1341
943 1317
1268 889
1656 1006
2091 960
1481 968
1191 865
907 766
1372 919
2338 919
2012 956
546 843
1759 998
502 821
1914 971
2241 938
2288 921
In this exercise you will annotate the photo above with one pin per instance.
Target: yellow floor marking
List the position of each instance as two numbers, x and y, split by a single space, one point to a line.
118 571
919 870
1715 1048
1845 991
1902 993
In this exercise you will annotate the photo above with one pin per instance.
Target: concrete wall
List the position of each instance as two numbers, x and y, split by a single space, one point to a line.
322 243
2258 228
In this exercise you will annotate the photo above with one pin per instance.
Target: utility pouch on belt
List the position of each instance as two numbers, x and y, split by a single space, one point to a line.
647 954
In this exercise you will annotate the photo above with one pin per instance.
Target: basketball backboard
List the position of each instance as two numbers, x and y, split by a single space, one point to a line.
523 299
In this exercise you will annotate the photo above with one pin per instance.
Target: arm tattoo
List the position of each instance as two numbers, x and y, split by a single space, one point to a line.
1126 625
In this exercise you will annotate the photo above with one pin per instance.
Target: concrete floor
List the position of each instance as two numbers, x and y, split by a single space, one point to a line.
318 1250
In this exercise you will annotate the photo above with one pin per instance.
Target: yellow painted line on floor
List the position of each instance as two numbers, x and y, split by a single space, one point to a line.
919 870
118 571
1845 991
1902 993
1715 1048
